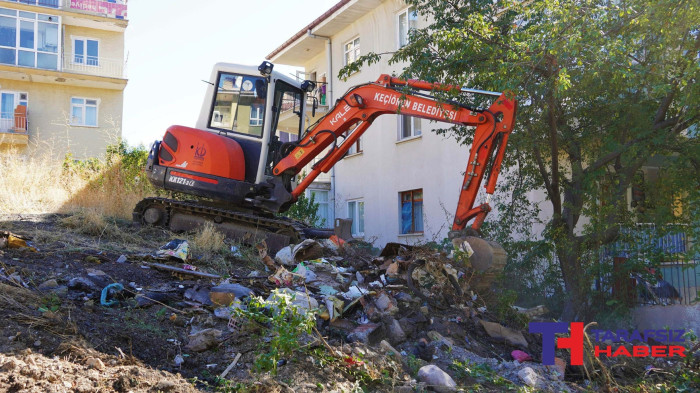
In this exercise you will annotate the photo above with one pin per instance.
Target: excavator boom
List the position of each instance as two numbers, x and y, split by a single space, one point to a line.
360 106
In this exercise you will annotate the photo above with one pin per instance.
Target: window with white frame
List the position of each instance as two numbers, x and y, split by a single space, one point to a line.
323 212
356 212
409 127
407 21
351 50
256 115
411 211
83 111
86 51
29 39
356 147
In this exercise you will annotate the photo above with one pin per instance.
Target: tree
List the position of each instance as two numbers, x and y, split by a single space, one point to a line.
603 86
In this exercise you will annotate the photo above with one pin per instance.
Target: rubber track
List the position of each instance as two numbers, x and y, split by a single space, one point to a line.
262 223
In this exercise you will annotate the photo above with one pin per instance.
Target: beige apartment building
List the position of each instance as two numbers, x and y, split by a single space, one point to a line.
401 182
62 76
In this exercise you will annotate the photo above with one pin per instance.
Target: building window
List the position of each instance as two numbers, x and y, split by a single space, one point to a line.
28 39
412 211
407 22
352 50
356 212
323 213
287 137
409 127
86 51
83 112
356 147
256 115
42 3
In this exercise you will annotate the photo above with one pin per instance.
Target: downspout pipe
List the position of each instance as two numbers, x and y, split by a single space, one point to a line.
329 100
329 65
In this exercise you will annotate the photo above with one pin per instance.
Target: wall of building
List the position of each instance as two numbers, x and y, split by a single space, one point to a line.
48 114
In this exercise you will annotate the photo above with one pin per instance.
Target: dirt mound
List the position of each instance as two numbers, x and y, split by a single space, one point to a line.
32 372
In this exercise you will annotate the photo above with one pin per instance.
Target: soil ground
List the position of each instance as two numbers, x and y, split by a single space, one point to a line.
55 336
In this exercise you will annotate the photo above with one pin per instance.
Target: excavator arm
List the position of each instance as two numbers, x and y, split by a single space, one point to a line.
353 113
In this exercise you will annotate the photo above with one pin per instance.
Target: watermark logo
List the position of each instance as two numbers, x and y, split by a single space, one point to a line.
574 342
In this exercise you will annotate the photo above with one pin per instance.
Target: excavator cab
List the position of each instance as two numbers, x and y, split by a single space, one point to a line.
258 108
247 117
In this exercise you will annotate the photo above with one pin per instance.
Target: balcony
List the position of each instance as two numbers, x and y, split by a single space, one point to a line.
111 68
109 8
40 3
13 127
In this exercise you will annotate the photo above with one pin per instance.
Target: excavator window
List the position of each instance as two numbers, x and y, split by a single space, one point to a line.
238 106
286 119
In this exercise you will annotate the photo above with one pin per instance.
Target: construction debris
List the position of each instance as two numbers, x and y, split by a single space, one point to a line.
177 248
412 309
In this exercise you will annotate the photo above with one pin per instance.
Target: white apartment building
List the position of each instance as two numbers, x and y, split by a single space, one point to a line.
401 182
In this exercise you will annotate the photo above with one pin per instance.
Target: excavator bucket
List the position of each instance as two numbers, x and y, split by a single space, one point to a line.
488 258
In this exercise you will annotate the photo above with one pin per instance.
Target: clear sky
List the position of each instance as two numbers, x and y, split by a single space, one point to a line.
172 45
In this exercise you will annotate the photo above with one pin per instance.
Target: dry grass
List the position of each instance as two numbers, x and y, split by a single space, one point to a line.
207 240
33 185
44 185
86 221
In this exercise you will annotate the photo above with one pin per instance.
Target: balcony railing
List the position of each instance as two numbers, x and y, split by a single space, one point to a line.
98 66
110 8
11 122
113 9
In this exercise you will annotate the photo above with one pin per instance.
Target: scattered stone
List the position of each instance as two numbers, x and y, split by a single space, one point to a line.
423 350
204 339
369 333
9 365
121 259
436 379
533 312
499 331
520 356
48 285
386 304
528 376
83 284
200 295
391 351
395 333
440 340
95 363
560 367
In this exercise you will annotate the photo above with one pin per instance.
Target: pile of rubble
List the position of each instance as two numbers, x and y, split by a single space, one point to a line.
415 307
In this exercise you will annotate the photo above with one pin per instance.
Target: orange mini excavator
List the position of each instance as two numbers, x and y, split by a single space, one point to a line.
241 159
